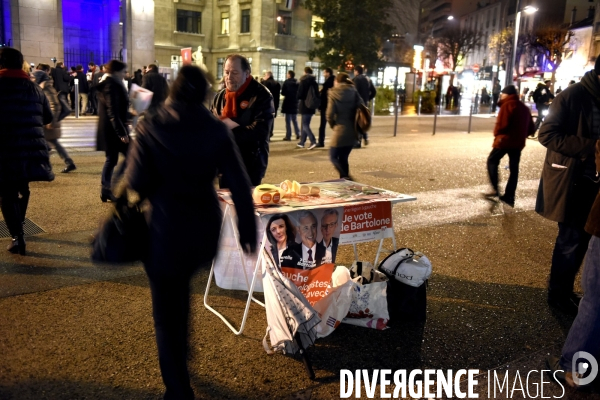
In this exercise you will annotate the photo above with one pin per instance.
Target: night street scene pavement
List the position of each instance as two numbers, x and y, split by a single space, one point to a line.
74 330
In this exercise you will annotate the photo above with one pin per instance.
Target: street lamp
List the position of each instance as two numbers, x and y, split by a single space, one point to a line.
450 18
526 10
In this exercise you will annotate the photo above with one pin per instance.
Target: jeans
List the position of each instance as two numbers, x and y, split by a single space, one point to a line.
306 130
495 101
170 309
339 158
14 198
514 157
83 97
93 101
61 151
322 128
289 120
112 158
585 331
569 251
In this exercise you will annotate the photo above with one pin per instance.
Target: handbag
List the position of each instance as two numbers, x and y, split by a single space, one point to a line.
124 236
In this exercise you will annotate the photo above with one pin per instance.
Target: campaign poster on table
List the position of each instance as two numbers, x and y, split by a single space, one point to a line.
313 282
305 239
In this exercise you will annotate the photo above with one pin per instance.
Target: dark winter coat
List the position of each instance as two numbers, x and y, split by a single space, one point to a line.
542 94
306 81
24 110
289 92
157 84
113 104
62 79
324 92
173 163
255 120
275 89
567 134
83 83
513 124
364 87
341 115
593 222
52 130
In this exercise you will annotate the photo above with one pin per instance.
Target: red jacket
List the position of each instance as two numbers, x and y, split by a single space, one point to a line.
513 124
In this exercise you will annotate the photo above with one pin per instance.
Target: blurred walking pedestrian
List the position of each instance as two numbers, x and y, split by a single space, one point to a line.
53 131
328 84
92 80
513 124
168 143
83 90
496 89
157 84
569 183
343 101
275 89
24 110
367 92
112 136
585 331
542 96
307 89
246 107
289 107
62 81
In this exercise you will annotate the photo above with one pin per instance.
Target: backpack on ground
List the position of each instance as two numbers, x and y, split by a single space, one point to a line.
312 99
408 272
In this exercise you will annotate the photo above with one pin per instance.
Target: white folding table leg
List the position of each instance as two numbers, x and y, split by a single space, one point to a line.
226 214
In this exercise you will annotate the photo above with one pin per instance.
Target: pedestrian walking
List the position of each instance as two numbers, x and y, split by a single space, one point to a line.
496 89
92 80
289 107
53 131
62 82
307 89
275 89
83 89
341 115
246 107
157 84
24 110
542 96
113 135
569 183
585 331
513 125
168 143
367 92
328 84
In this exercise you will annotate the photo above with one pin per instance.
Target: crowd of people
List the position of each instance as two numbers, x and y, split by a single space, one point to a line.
171 150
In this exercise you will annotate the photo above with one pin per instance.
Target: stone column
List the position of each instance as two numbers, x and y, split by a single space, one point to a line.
140 33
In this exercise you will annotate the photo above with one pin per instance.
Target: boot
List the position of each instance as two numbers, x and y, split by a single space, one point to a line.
17 245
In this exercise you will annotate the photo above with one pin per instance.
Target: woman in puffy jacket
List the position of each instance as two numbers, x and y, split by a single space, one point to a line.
341 116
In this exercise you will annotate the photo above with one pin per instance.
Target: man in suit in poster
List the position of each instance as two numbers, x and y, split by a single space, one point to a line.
329 223
313 253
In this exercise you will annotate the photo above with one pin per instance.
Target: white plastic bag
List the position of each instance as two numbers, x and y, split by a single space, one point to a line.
369 305
333 308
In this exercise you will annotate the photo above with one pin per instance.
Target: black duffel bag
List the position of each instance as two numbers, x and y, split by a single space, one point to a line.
123 237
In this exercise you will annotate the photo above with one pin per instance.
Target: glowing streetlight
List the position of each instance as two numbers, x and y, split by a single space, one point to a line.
527 10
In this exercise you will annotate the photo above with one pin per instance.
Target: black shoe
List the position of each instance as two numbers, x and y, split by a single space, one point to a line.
508 201
366 142
69 168
320 145
357 146
107 195
563 303
287 139
17 245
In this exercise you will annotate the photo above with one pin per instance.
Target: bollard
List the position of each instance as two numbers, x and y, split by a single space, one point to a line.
435 118
419 108
76 82
470 118
396 115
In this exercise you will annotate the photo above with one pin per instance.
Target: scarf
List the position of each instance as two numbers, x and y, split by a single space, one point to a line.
591 83
14 73
230 108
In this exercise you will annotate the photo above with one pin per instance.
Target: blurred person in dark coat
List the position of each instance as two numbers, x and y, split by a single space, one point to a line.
62 81
275 89
84 89
24 110
157 84
329 79
184 136
289 107
569 182
53 131
112 136
513 125
246 107
343 101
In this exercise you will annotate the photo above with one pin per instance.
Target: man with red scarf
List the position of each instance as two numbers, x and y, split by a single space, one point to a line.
246 107
24 110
